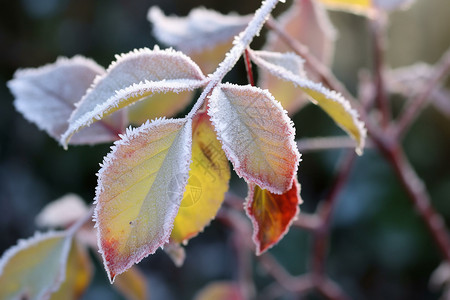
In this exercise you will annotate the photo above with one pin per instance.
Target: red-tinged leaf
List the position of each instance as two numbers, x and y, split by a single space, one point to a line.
220 290
271 214
78 274
133 77
140 187
34 268
256 135
47 96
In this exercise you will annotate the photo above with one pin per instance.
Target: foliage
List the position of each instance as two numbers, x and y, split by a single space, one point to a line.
164 181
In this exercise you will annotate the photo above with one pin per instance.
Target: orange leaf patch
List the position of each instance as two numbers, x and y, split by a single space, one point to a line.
271 214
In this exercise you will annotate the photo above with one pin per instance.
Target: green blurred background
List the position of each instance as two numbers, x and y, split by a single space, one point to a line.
379 247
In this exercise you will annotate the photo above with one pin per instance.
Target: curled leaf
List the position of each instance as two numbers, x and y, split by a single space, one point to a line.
140 187
208 181
47 96
256 135
133 77
62 212
271 214
34 268
338 108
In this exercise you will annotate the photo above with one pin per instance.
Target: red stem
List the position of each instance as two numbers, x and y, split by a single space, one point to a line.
248 68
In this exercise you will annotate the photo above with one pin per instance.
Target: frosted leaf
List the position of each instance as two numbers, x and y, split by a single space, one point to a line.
35 267
307 22
201 29
134 76
140 187
62 212
47 95
332 103
256 135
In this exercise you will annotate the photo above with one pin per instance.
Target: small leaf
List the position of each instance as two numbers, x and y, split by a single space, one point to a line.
34 268
208 181
201 29
256 135
78 274
132 284
133 77
271 214
62 212
332 103
140 187
176 253
219 290
47 95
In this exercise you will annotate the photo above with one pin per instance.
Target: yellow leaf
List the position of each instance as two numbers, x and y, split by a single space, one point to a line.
207 184
140 187
132 284
354 6
34 268
158 105
208 58
219 290
78 274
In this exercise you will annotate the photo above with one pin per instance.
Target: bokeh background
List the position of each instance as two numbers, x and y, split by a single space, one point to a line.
379 246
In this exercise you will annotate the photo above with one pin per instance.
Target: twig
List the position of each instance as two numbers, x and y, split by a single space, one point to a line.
308 222
377 30
331 290
413 108
299 284
248 68
320 238
326 143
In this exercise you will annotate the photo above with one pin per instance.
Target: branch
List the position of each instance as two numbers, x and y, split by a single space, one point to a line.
413 108
421 200
377 30
326 143
320 239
